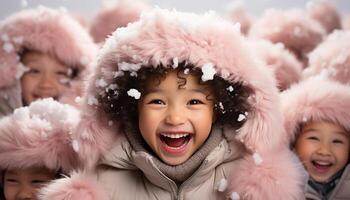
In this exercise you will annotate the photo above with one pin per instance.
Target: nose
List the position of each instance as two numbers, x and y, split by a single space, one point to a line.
47 82
324 149
26 193
175 116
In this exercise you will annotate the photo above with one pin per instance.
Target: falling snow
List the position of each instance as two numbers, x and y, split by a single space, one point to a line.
208 72
230 88
222 185
257 159
100 83
124 66
75 145
91 100
234 196
175 62
241 117
134 93
8 47
186 71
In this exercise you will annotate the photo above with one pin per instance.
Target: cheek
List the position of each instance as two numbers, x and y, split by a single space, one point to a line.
303 149
148 122
10 192
343 154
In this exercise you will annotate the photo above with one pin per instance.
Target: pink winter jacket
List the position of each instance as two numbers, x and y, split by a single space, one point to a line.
251 163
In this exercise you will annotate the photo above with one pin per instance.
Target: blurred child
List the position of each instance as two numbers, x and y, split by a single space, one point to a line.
115 15
236 12
294 28
331 58
317 119
325 13
179 109
35 147
45 53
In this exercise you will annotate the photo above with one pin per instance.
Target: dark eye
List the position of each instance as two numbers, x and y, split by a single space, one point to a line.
33 71
338 141
38 181
10 180
156 101
313 138
195 102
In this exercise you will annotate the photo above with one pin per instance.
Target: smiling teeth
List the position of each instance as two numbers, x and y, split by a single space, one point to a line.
322 163
175 136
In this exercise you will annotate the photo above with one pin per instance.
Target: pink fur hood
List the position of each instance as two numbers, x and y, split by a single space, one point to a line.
119 14
163 37
294 28
39 135
48 31
160 37
315 99
331 58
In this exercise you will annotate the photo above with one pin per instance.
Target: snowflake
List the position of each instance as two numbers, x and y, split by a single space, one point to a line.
208 72
134 93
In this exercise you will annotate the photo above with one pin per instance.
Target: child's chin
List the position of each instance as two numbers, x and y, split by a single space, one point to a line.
174 161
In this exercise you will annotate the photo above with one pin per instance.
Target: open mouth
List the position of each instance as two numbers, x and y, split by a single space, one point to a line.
175 143
36 97
321 166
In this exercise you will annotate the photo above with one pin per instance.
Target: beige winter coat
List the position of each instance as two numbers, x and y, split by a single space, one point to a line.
340 192
120 174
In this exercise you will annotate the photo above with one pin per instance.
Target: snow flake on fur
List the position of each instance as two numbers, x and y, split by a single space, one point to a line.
100 83
75 145
208 71
8 47
91 100
241 117
134 93
257 159
124 66
222 185
234 196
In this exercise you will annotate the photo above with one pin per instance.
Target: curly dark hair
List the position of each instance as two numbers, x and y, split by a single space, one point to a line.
230 99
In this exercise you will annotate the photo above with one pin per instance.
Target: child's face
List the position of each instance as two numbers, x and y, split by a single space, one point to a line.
323 148
175 121
25 183
46 77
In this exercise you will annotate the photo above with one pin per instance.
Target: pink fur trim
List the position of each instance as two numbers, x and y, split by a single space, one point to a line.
325 13
45 30
277 177
315 99
39 135
294 28
286 67
331 58
111 17
236 12
78 186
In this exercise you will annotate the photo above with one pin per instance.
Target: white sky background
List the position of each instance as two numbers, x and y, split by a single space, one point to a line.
89 7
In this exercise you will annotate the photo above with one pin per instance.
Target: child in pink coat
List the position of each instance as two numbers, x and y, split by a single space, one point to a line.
178 108
35 147
331 58
44 53
317 117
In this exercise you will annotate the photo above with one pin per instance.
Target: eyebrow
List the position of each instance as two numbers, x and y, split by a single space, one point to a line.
161 90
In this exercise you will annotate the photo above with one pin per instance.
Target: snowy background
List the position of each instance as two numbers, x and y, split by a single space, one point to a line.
89 7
